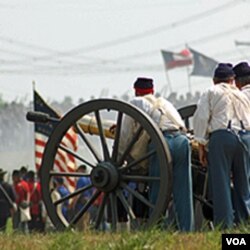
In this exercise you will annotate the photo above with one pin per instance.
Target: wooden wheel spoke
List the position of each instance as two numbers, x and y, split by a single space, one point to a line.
87 142
84 208
137 195
69 151
70 174
117 137
114 214
130 145
78 191
128 208
140 178
102 136
135 162
100 212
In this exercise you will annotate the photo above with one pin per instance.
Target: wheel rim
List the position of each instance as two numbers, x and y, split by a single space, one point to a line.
108 175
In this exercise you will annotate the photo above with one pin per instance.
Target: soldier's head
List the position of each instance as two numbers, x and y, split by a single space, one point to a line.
2 173
242 74
224 73
59 181
30 176
23 171
82 168
143 86
16 177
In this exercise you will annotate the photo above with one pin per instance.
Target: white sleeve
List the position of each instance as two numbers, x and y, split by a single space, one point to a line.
126 133
143 105
201 119
173 114
128 124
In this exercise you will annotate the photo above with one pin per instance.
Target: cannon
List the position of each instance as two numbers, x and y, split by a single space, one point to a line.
115 177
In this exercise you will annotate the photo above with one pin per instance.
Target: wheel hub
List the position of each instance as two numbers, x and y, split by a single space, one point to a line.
105 177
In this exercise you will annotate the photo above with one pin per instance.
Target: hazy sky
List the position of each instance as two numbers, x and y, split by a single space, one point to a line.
86 48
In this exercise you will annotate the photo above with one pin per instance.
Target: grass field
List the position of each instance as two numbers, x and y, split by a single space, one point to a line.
150 239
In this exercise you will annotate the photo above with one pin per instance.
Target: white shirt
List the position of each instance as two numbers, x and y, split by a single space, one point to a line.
217 106
163 113
246 90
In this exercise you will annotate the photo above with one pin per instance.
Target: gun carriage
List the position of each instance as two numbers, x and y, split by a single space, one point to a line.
114 175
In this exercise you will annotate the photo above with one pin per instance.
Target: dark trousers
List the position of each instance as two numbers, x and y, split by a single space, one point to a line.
36 224
182 179
227 157
3 222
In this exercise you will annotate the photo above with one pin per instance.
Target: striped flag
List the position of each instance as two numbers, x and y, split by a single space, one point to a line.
175 60
64 162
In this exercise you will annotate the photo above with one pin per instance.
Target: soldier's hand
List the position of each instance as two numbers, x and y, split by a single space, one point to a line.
202 155
112 129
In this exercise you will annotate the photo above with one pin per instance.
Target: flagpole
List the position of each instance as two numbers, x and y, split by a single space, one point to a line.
189 80
34 143
188 72
169 82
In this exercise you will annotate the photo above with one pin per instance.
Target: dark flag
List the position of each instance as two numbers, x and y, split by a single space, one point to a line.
64 162
202 65
175 60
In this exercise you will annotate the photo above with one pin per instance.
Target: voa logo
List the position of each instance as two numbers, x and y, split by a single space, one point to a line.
236 241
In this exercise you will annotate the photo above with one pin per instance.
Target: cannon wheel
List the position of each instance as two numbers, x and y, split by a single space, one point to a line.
111 173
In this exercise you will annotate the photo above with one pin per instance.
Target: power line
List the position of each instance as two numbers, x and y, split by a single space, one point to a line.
108 62
195 41
73 65
147 33
154 31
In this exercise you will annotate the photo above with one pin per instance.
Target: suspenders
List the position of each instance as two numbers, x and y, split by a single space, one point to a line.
229 126
243 130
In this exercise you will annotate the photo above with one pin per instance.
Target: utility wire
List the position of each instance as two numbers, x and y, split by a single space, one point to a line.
154 31
147 33
185 20
195 41
120 61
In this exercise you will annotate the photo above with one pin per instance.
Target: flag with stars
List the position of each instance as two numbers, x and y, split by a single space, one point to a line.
64 162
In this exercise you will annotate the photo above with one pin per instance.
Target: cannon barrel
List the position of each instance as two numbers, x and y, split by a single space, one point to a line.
89 125
35 116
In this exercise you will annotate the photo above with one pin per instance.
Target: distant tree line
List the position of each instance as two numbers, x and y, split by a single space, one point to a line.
17 133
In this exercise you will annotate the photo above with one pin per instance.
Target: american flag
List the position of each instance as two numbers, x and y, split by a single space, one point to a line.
64 162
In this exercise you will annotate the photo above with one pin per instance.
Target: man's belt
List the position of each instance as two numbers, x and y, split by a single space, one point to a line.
170 131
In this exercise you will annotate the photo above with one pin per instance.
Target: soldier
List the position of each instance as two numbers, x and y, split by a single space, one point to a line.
169 121
63 191
216 126
36 223
7 199
242 80
80 200
22 216
242 77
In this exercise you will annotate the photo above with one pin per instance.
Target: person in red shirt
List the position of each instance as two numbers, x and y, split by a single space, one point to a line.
22 192
36 223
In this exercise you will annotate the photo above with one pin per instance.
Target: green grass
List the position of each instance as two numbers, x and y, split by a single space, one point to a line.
150 239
